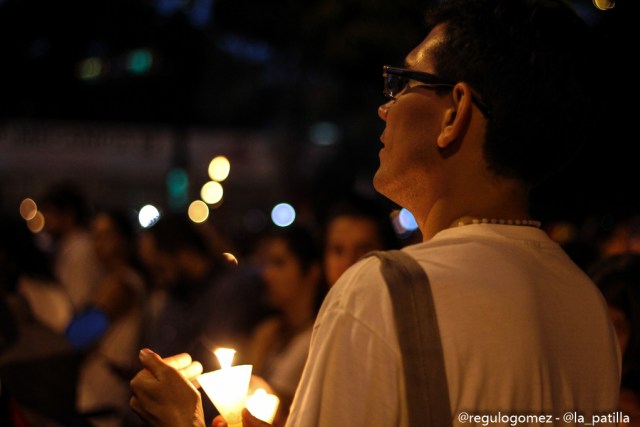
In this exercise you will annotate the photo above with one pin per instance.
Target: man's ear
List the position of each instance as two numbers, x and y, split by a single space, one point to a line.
456 118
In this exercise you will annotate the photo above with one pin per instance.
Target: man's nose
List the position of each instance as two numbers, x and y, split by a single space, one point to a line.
384 109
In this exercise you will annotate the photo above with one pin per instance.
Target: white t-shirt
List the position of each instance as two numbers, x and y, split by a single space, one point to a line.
284 369
524 331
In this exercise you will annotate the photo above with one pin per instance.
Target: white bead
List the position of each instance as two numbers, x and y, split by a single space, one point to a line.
528 222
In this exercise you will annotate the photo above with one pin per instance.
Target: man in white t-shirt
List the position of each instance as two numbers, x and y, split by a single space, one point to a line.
493 101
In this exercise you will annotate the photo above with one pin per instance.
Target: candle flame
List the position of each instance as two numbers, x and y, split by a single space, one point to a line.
260 392
225 356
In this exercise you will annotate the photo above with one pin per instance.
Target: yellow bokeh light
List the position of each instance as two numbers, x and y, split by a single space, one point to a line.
28 209
219 168
604 4
36 224
198 211
231 258
211 192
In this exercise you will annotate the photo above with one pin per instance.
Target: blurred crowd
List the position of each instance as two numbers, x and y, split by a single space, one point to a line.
80 299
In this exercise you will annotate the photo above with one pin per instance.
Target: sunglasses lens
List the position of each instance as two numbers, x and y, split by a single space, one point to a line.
393 85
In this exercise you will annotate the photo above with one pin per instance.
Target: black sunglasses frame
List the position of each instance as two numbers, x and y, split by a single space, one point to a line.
427 79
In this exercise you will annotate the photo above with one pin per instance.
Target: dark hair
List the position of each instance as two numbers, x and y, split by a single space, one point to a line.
67 196
20 255
530 61
303 244
300 241
175 232
618 278
123 221
358 206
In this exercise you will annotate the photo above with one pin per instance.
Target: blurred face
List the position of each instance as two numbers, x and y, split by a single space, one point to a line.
348 239
55 220
108 242
283 275
160 265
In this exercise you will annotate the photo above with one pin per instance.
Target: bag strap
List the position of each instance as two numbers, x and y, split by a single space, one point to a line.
419 337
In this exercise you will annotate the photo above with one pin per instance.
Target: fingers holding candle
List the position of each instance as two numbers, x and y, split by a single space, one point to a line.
178 361
162 396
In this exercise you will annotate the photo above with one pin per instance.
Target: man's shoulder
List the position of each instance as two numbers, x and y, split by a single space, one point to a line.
359 292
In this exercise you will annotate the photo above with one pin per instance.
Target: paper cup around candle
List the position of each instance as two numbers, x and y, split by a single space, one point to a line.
263 405
227 388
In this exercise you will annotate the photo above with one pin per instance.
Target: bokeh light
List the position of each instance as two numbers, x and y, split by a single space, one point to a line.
231 258
90 68
148 216
283 215
198 211
28 209
407 220
324 133
212 192
178 188
139 61
36 224
403 222
604 4
219 168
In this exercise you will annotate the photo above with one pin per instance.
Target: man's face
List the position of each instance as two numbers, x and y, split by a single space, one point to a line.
413 123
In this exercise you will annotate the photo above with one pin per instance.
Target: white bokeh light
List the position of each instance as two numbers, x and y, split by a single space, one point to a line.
148 216
283 215
407 220
212 192
219 168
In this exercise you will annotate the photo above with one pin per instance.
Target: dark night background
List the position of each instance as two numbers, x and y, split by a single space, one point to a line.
280 66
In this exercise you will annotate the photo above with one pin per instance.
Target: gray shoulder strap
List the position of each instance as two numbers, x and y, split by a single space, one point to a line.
424 370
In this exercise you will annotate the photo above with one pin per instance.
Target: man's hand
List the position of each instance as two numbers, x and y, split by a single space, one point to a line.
163 394
248 420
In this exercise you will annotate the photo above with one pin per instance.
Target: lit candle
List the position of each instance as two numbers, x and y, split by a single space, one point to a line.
225 357
227 387
263 405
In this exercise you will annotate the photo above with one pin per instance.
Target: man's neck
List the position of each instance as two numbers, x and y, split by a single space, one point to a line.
505 201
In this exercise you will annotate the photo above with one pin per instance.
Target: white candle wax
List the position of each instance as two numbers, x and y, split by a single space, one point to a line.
227 387
263 405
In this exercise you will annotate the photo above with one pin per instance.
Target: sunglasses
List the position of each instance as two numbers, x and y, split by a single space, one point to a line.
396 81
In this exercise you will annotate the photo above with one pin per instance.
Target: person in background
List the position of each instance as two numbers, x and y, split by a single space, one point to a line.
110 329
618 277
197 303
75 264
34 311
293 288
623 237
496 99
354 226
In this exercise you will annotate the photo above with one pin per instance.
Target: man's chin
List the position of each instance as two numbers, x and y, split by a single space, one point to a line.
379 183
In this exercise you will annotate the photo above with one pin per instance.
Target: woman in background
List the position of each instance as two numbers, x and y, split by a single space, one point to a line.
293 289
353 227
